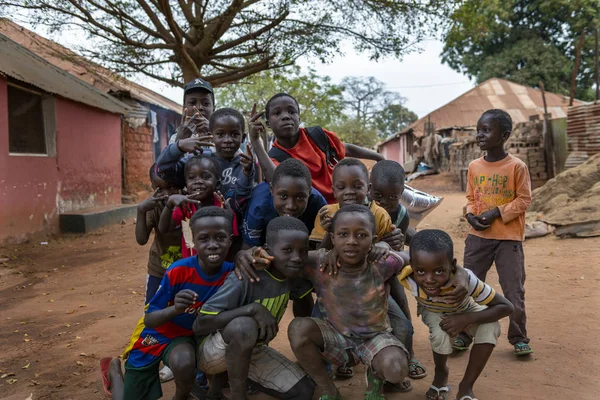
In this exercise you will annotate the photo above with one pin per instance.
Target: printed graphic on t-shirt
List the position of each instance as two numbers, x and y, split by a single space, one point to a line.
491 191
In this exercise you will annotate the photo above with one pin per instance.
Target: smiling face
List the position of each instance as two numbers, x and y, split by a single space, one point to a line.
228 135
202 179
386 193
290 252
290 196
212 239
352 239
284 117
431 271
350 185
490 134
202 100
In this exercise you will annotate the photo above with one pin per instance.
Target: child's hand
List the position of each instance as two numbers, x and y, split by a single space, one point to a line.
329 262
255 126
194 143
455 324
152 202
225 204
180 200
247 160
325 218
379 251
184 299
489 216
395 238
248 261
267 324
460 282
476 222
187 127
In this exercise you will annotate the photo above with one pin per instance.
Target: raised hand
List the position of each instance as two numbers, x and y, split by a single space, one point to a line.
247 160
152 202
325 218
255 126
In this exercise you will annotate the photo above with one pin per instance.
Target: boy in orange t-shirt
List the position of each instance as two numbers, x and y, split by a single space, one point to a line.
282 114
498 194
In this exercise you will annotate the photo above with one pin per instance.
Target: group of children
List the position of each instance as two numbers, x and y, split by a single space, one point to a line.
321 224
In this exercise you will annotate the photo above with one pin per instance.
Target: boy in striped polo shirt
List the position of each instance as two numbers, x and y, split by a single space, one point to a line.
432 265
165 331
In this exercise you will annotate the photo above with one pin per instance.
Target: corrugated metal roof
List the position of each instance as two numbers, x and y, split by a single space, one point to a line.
21 64
84 69
519 101
583 133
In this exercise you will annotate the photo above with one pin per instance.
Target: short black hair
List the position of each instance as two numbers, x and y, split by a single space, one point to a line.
501 117
226 112
388 171
294 168
354 208
197 160
153 173
432 241
199 90
284 223
352 162
213 211
278 95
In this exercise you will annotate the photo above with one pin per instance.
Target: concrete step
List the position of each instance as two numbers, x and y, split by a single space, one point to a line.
88 220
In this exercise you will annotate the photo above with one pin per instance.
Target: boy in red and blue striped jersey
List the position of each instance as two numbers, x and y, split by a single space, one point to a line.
165 332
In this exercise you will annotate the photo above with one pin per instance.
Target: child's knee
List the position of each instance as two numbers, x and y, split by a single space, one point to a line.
242 331
440 342
487 333
392 365
182 362
300 331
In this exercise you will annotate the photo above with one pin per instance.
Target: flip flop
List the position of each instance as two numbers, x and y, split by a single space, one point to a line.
444 389
104 364
413 366
344 372
403 387
462 342
522 349
467 398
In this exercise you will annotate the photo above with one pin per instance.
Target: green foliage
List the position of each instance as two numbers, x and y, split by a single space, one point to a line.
321 102
524 41
356 132
393 119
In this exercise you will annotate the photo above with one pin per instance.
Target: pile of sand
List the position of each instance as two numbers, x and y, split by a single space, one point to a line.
571 197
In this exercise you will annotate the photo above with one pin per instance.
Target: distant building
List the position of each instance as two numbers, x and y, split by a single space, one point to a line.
462 113
60 143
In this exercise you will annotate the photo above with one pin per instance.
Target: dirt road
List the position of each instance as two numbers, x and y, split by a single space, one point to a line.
69 303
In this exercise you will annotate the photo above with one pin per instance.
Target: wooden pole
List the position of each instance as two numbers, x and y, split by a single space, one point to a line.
576 67
596 62
547 137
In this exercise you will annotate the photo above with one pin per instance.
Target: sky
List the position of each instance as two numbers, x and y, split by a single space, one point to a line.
421 78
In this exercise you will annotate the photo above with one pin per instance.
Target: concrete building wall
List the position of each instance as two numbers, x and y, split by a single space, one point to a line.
86 171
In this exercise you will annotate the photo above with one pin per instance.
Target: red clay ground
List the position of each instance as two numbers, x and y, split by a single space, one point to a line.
67 304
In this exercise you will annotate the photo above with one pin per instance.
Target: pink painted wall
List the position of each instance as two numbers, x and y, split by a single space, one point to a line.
391 150
86 171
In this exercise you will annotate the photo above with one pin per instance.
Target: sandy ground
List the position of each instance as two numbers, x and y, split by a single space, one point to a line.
69 303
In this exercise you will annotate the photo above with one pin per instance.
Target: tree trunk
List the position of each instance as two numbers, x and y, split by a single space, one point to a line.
576 67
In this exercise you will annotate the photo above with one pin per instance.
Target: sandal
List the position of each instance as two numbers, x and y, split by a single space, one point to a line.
413 369
344 372
467 398
373 386
104 363
462 342
403 387
522 349
441 391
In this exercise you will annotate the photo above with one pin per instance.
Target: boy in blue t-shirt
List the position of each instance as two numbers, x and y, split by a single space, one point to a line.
289 194
165 332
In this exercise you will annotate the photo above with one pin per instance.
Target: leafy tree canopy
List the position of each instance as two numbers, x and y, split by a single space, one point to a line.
226 40
524 41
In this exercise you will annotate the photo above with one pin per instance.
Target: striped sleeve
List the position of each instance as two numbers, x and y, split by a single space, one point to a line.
229 296
480 291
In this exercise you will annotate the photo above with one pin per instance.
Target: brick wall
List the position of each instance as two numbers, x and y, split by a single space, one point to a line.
138 156
525 143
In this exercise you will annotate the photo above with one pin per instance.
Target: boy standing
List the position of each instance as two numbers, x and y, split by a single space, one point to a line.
498 194
243 317
432 265
165 332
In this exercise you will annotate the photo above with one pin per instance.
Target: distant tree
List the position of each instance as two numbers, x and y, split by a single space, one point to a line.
393 119
227 40
525 41
351 130
321 102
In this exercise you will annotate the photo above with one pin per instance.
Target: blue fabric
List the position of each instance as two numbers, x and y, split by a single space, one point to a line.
261 211
152 285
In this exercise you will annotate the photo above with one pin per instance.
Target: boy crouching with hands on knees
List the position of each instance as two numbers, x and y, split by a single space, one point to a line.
432 266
